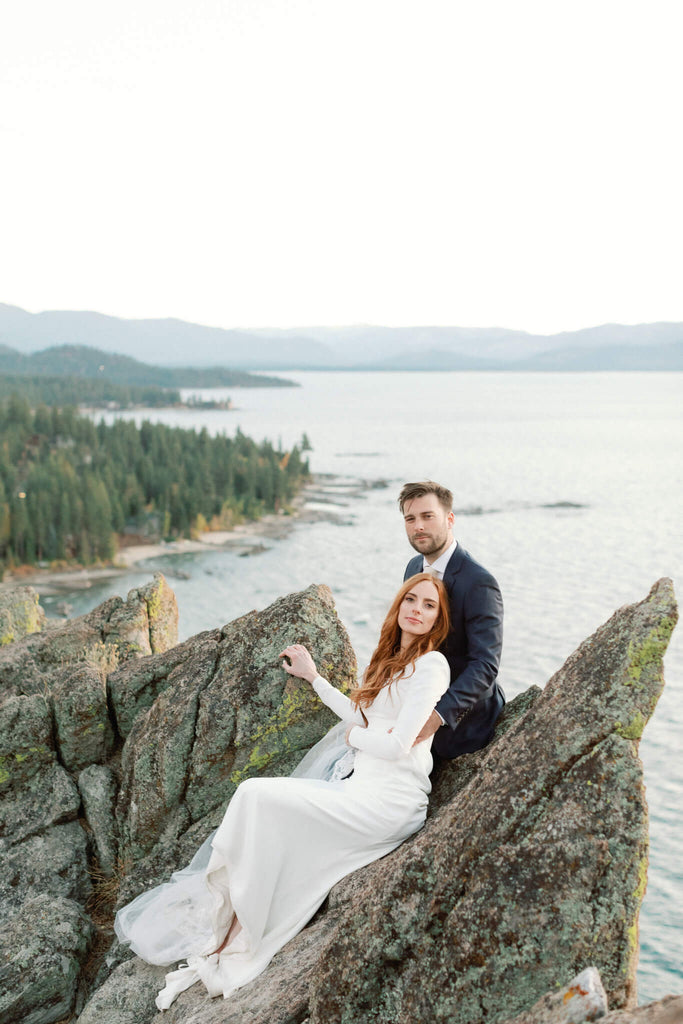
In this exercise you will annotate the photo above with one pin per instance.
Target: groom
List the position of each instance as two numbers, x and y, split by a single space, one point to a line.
466 714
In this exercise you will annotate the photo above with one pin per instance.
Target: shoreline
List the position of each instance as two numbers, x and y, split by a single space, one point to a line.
314 502
244 536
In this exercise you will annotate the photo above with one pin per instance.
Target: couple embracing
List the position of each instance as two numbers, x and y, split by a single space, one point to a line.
431 684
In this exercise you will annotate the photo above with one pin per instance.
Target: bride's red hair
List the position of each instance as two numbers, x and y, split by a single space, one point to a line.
388 662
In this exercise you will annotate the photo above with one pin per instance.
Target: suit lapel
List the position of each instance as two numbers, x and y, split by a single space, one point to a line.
455 564
414 567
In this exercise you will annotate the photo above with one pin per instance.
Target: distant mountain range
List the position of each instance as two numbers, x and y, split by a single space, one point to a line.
176 343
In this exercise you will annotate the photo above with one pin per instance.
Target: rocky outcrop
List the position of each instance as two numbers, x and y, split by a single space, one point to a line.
220 710
665 1011
20 613
584 1000
43 942
530 869
54 721
536 869
79 807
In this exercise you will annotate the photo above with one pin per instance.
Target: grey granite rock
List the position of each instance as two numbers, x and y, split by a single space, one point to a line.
135 685
20 613
84 732
227 711
126 997
583 1000
43 944
531 865
147 623
47 798
26 745
537 867
668 1010
98 788
54 719
113 632
55 862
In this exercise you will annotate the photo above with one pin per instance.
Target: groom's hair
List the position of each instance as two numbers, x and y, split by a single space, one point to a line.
419 490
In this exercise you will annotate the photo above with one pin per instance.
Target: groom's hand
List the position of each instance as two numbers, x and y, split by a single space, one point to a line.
433 723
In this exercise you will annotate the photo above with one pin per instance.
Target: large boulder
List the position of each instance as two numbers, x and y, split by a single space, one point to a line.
84 731
44 941
115 631
20 613
54 721
531 866
537 868
584 1000
225 711
127 996
200 716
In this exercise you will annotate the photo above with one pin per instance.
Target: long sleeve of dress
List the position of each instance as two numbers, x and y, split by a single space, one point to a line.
337 701
427 684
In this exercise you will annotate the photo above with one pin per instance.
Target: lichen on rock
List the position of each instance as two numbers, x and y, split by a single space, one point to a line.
532 864
20 613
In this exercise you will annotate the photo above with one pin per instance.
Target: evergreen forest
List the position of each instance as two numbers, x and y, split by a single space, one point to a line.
69 486
92 391
85 362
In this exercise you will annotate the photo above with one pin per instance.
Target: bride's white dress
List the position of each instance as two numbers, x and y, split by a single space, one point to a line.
284 842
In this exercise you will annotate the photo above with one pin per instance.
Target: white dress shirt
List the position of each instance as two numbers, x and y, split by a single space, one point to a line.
439 566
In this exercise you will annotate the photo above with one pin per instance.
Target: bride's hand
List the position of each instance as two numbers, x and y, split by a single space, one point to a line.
300 664
354 725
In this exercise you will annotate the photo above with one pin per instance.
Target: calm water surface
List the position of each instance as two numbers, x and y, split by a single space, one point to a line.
568 487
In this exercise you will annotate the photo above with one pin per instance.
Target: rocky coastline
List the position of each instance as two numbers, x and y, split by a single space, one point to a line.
516 904
316 501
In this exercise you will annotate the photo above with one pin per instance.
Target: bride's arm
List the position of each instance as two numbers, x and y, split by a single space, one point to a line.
301 664
424 688
337 701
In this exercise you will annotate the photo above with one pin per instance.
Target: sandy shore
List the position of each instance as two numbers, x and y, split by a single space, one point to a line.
244 537
317 500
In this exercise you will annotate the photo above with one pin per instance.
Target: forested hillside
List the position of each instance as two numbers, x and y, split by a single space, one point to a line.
92 391
68 486
87 362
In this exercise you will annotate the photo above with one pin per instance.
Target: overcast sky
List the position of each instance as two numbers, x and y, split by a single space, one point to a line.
288 162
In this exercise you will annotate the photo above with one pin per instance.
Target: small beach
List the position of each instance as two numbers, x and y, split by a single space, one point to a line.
315 502
244 536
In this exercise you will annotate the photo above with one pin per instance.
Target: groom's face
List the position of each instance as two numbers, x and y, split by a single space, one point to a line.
428 525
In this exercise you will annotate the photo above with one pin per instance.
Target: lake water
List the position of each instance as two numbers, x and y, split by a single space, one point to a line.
568 487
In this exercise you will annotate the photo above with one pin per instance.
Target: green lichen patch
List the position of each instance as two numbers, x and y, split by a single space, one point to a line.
271 740
633 730
647 654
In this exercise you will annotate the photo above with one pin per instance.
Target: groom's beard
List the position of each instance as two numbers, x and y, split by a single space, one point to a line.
429 544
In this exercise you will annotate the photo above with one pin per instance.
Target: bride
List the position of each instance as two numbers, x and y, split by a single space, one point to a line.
284 842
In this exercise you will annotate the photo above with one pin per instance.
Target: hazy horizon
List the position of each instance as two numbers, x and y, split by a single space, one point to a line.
349 324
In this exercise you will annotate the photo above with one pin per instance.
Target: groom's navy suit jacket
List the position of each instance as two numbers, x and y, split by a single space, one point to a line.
474 699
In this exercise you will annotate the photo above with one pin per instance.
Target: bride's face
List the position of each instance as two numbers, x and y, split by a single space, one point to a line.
419 610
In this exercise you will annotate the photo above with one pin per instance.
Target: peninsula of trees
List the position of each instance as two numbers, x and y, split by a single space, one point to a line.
94 392
69 486
95 375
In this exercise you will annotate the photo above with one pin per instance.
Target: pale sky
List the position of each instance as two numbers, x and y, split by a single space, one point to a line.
287 162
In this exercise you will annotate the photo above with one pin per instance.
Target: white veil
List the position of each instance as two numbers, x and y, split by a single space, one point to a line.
330 759
174 920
